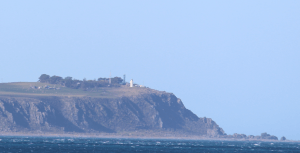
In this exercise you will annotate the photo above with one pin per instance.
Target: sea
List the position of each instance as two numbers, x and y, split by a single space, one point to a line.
13 144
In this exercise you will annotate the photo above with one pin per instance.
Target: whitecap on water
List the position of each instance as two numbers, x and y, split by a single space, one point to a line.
181 144
119 142
60 140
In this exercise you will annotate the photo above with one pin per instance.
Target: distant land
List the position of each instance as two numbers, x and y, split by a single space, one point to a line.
106 107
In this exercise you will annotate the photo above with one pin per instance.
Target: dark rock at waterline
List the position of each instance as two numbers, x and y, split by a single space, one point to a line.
282 138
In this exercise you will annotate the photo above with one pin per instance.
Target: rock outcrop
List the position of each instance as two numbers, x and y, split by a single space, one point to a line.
263 136
282 138
153 111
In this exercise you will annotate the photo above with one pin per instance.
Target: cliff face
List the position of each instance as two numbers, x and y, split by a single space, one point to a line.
153 111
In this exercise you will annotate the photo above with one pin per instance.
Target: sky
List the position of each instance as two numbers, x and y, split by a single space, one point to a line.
234 61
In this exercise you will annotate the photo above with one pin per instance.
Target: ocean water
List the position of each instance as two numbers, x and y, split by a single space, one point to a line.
69 144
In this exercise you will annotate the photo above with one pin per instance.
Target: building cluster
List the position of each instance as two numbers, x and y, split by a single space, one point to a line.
131 84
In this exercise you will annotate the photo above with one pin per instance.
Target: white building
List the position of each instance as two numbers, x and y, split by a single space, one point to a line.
109 81
131 83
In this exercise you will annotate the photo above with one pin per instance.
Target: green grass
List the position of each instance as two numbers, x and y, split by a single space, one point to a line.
24 89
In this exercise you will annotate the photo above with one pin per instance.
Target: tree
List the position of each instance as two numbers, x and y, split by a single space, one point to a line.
68 78
55 79
44 78
116 80
101 79
68 81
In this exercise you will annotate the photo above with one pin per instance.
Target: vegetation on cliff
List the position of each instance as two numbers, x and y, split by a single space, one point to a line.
83 84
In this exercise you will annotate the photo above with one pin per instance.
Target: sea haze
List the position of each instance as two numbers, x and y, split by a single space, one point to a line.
69 144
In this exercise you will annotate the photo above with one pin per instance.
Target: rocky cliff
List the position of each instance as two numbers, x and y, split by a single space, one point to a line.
157 111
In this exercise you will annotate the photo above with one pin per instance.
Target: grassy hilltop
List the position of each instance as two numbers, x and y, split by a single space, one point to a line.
28 89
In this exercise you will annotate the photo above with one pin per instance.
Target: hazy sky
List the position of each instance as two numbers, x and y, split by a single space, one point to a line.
236 62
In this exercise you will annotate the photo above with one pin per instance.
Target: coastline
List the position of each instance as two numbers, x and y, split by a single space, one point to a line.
118 136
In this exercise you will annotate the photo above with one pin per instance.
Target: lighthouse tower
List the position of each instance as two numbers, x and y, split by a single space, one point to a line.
131 83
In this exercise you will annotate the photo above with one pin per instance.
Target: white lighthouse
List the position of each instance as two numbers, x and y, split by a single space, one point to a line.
109 81
131 83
